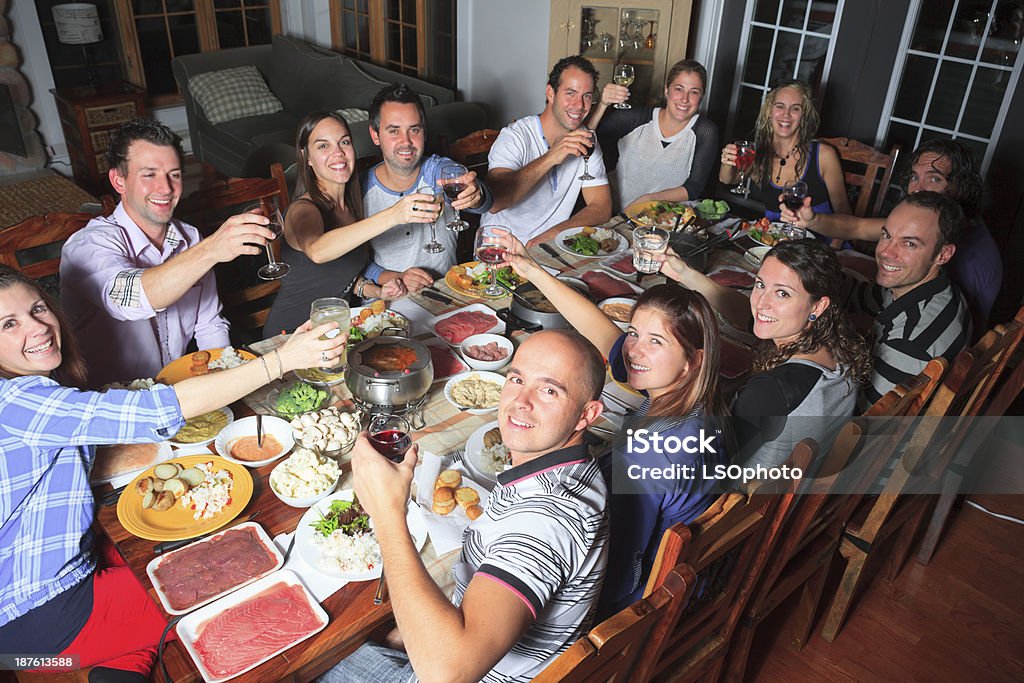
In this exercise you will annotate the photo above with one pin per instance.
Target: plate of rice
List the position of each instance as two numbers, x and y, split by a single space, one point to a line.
486 455
371 321
349 550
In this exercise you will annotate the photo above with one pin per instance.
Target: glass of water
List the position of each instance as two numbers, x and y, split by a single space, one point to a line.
647 242
332 309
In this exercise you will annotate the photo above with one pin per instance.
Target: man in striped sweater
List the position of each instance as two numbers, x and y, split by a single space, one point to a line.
919 313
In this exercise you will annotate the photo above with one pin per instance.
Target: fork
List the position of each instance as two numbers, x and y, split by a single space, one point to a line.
378 597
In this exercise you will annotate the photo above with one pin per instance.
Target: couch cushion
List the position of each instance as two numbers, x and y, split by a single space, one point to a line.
248 133
232 94
354 115
300 73
359 87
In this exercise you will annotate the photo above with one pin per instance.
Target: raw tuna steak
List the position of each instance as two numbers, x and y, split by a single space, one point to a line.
730 277
604 286
454 329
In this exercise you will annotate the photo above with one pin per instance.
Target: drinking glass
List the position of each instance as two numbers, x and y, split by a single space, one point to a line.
586 157
647 242
745 153
332 309
433 246
489 250
391 436
452 180
623 75
793 195
268 207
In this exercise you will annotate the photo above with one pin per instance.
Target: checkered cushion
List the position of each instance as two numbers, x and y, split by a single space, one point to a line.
232 94
353 115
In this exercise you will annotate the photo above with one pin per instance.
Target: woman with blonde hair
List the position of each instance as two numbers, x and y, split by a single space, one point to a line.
787 151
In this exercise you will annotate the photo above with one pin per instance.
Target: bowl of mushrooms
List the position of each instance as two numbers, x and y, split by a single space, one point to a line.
329 431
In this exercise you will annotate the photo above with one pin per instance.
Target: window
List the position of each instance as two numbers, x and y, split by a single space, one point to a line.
153 32
414 37
782 39
959 69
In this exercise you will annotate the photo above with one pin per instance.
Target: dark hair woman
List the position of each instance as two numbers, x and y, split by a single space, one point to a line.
325 233
55 596
669 353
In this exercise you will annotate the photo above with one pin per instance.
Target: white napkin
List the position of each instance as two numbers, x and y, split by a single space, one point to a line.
319 584
613 409
445 531
416 314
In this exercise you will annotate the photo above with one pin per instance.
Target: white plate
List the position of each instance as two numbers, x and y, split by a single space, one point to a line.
164 452
309 552
572 232
189 627
482 374
775 228
231 418
755 255
395 318
281 430
618 300
498 327
473 459
160 559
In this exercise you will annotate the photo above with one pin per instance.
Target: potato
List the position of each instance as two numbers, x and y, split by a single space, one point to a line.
145 485
175 486
193 476
492 437
166 470
164 502
147 499
158 485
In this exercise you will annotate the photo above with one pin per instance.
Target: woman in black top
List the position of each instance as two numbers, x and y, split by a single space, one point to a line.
658 153
325 234
787 151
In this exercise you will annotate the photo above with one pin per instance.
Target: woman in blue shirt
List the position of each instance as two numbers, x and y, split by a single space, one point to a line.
55 598
670 353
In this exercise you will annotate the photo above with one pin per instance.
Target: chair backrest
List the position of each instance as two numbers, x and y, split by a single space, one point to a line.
723 546
855 152
909 398
1008 388
611 649
42 237
246 299
471 150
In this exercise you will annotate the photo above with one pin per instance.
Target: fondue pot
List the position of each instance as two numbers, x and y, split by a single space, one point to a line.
521 315
683 243
388 387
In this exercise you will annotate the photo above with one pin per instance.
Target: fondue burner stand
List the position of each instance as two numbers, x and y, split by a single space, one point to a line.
413 411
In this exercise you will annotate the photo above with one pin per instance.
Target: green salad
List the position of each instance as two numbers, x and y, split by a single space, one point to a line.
299 398
347 516
505 276
584 245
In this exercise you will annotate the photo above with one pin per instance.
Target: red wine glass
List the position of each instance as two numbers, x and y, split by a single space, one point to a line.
391 436
453 182
488 249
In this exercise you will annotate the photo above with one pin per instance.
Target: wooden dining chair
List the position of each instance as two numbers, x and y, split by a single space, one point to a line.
33 245
246 298
609 652
900 510
874 162
724 547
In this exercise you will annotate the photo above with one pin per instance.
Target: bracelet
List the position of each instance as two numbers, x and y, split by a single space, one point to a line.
360 287
263 362
280 367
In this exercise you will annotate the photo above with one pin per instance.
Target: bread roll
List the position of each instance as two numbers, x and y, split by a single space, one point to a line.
449 478
113 460
444 500
474 511
466 497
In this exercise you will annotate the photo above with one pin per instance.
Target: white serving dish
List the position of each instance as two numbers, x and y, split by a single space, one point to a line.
481 340
305 501
160 559
618 300
280 429
755 255
472 457
190 627
498 328
482 374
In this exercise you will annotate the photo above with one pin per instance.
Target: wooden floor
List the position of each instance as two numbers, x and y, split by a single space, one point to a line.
961 618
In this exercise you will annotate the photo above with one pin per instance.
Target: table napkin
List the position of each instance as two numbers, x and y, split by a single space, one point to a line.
319 584
445 531
417 315
618 393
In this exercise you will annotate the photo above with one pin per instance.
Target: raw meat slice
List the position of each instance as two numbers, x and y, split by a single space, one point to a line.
624 265
732 277
445 362
255 629
604 286
487 352
456 328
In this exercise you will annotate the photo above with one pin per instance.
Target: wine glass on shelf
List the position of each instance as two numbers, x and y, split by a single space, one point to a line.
433 246
793 195
268 207
586 157
453 182
649 43
745 153
391 436
623 75
488 249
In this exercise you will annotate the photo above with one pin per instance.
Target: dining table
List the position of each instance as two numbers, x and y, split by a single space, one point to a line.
353 616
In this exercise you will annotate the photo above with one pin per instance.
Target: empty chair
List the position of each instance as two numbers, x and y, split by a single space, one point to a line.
33 246
856 153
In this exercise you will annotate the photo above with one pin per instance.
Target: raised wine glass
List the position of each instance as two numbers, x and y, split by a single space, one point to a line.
433 246
793 195
268 207
489 250
453 182
586 157
391 436
623 75
745 154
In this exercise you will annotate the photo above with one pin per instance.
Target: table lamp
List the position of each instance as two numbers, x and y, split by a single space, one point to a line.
78 23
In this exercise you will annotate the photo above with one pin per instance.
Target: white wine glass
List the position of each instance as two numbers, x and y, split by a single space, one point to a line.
275 269
623 75
453 182
488 249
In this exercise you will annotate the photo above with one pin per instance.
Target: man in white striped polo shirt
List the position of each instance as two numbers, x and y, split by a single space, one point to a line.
531 566
920 314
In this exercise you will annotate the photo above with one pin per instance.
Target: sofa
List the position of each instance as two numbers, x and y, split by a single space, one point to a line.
303 78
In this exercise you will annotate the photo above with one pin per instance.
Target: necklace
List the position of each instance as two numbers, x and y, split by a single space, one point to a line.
782 162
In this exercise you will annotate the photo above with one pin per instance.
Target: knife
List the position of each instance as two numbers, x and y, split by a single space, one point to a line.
168 546
554 254
436 296
111 497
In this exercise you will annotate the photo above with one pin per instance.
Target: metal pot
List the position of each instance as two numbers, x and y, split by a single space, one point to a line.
523 316
389 387
682 243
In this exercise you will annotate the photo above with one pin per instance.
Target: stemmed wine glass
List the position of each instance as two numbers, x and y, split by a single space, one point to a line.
268 207
433 246
793 195
586 157
452 180
745 154
488 249
391 436
623 75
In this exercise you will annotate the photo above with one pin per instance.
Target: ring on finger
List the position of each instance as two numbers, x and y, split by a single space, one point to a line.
323 357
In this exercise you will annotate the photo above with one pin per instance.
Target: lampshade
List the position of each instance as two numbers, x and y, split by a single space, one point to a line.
78 23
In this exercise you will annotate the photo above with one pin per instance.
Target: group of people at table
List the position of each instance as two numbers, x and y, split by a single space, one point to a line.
557 546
